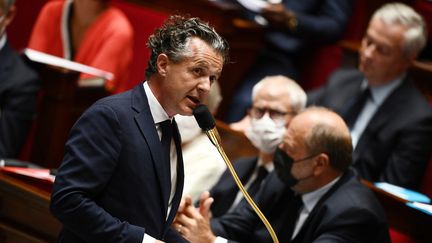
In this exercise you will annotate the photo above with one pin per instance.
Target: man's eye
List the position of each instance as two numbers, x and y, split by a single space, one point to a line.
197 71
213 79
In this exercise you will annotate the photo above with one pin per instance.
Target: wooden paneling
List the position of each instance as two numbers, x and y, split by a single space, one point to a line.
24 213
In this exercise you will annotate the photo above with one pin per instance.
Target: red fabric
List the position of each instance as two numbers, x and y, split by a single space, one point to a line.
398 237
107 44
321 64
425 9
144 21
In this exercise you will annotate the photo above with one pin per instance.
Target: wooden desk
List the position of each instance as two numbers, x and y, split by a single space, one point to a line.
403 218
62 101
24 213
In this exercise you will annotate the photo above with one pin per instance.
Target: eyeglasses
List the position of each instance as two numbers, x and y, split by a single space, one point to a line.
257 113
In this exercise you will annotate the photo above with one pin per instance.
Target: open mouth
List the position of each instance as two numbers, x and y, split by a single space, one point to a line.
195 100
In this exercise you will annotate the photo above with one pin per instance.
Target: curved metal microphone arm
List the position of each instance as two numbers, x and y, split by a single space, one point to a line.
214 137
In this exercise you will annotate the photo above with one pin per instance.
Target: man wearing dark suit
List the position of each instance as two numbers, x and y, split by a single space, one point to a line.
294 29
276 99
121 178
19 85
392 134
312 196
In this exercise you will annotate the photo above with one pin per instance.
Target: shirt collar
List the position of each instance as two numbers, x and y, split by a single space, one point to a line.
156 109
380 92
269 166
3 41
311 199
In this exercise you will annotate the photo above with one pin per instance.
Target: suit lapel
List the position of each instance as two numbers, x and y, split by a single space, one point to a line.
5 62
383 115
314 217
145 123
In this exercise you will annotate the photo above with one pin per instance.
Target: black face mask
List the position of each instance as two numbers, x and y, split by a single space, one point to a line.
283 163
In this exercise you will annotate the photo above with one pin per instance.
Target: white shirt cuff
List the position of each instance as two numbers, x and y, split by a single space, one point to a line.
148 239
220 240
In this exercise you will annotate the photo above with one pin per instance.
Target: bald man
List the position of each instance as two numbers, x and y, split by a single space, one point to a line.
313 196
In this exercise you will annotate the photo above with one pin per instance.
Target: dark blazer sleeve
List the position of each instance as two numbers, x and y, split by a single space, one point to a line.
19 86
84 174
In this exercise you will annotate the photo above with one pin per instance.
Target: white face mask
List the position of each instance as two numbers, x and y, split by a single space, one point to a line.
265 134
188 127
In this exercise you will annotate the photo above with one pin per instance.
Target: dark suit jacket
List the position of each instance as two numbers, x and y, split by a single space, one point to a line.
225 190
396 144
112 185
19 86
348 212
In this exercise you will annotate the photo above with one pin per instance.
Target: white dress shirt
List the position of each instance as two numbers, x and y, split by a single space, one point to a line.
309 202
379 94
160 115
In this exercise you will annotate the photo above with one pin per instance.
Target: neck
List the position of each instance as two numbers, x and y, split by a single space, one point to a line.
85 11
266 158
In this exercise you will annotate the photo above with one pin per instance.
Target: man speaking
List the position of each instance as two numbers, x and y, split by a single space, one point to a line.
121 178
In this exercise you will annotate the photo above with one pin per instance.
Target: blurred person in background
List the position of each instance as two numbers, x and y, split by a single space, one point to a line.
389 119
19 86
89 32
276 100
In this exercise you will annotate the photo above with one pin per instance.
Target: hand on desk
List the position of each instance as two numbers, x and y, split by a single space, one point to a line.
194 223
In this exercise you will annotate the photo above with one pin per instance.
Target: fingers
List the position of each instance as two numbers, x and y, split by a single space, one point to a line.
184 203
204 208
205 203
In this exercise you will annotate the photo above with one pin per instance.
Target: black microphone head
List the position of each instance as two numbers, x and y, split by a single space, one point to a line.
204 118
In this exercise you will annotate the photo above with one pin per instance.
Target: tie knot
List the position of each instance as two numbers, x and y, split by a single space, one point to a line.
297 201
262 172
354 108
166 129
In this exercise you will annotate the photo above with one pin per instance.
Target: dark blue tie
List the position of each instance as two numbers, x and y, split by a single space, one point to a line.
254 187
293 214
354 108
166 129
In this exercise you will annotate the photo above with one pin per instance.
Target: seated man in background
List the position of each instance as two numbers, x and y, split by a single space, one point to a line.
389 119
293 31
203 164
19 86
313 196
89 32
276 99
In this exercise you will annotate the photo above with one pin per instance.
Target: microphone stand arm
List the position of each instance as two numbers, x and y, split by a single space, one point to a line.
214 137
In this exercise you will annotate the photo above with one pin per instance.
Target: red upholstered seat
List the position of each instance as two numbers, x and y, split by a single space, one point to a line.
144 21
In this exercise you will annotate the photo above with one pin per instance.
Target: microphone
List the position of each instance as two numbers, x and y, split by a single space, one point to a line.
207 123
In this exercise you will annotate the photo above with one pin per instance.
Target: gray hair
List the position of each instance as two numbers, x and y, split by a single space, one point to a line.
295 93
174 36
400 14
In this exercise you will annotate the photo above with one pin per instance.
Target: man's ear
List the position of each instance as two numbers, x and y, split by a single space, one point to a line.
162 64
322 161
